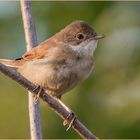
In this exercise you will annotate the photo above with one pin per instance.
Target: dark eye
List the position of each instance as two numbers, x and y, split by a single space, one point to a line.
80 36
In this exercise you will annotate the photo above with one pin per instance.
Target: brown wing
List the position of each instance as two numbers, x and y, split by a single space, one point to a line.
37 53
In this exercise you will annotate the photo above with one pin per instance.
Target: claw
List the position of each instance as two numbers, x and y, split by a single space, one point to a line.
36 98
72 117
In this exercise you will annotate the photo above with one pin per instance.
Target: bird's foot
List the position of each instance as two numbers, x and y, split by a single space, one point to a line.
39 89
70 117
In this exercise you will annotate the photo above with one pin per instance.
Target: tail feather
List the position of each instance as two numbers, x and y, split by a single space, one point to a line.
10 63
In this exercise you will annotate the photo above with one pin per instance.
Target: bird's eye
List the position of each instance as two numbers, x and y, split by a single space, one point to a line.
80 36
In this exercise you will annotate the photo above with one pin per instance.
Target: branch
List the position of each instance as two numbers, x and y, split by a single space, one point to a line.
60 108
31 41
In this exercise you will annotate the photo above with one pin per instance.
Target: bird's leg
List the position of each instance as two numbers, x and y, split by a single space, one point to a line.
39 88
71 116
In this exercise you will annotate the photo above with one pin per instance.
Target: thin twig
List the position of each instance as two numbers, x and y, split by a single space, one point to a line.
31 41
60 108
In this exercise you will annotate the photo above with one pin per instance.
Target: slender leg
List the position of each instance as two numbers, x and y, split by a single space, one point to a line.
36 98
73 117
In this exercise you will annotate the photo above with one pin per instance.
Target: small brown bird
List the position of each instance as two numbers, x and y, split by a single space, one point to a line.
59 63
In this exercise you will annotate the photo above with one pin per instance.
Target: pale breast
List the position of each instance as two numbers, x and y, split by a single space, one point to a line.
84 67
57 76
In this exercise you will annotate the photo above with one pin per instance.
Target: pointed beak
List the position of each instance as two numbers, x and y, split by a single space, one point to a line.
97 37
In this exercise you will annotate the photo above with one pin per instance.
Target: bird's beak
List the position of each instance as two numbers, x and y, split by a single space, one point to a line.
97 37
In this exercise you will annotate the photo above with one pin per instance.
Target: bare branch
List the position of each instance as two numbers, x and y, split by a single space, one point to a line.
29 27
31 41
60 108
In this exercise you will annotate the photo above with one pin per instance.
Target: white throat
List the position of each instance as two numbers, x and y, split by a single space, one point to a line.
87 49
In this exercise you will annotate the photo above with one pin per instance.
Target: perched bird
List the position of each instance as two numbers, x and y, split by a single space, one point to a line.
59 63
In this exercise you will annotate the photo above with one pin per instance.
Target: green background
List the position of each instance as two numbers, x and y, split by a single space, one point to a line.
108 102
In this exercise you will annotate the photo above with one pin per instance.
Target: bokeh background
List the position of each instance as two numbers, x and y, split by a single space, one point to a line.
108 102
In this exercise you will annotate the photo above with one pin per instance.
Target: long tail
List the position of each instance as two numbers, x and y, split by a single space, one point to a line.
10 63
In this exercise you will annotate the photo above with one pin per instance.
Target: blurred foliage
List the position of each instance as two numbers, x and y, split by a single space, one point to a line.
108 101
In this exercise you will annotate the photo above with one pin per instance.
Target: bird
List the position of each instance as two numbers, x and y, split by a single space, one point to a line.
61 62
